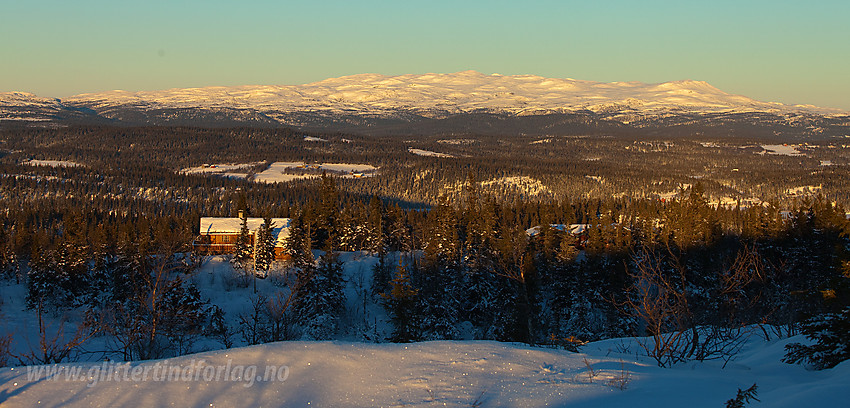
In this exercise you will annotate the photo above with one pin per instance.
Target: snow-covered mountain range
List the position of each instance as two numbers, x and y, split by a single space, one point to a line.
382 96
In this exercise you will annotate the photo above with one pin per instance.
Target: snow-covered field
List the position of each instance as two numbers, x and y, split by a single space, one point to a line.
457 141
442 373
225 170
52 163
420 152
348 168
783 149
277 173
281 172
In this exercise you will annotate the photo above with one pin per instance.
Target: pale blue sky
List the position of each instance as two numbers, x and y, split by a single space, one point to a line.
785 51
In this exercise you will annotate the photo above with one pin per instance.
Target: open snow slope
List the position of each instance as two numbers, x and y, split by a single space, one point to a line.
444 373
455 92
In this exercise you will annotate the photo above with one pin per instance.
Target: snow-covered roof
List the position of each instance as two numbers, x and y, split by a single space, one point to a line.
227 225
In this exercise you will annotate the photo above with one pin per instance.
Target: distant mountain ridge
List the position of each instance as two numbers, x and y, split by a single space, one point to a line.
458 92
380 100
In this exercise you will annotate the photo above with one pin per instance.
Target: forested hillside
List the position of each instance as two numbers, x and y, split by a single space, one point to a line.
482 241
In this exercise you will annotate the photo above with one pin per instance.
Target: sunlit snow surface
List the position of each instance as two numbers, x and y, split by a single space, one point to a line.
457 374
52 163
422 152
785 150
280 172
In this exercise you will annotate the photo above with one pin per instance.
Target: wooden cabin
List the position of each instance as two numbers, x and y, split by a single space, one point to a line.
219 235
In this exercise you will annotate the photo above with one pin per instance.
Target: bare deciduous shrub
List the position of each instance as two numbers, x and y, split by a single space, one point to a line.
621 378
5 349
54 346
591 373
659 298
660 301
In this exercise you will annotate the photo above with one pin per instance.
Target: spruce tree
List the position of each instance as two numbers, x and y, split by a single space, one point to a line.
264 255
320 298
298 245
327 222
400 302
242 251
831 335
376 239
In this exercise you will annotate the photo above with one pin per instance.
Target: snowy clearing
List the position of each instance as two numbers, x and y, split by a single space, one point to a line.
277 173
574 229
440 373
314 139
420 152
457 141
52 163
785 150
281 172
224 170
527 185
347 167
217 168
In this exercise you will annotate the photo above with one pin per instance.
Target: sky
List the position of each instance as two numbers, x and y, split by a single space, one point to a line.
783 51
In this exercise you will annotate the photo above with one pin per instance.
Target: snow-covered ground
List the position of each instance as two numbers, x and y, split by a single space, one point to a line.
348 167
225 170
52 163
281 172
783 149
421 152
277 173
442 373
574 229
457 141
